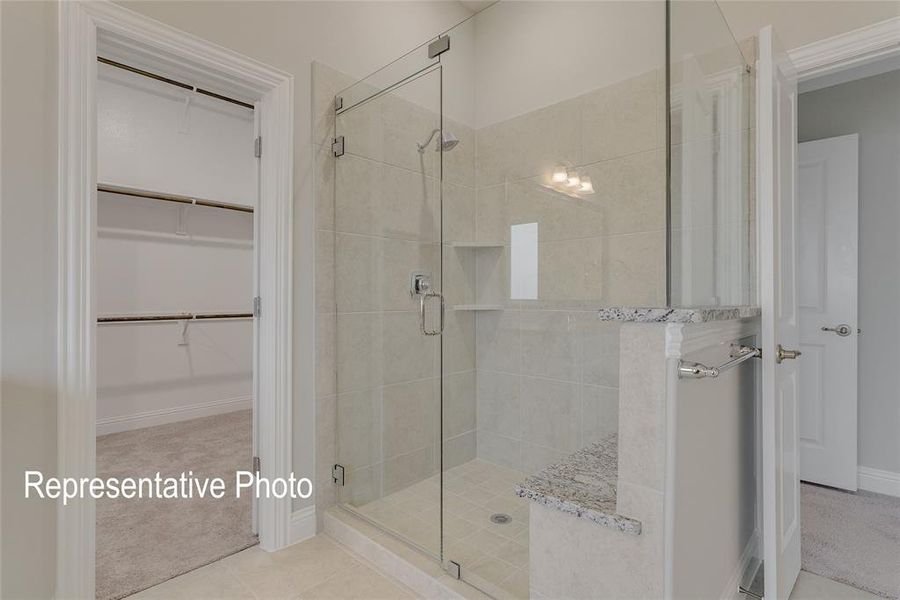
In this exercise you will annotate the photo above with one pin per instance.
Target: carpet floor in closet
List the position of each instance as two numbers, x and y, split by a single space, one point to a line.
851 537
143 542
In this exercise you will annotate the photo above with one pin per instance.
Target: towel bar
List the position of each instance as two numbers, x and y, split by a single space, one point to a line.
739 354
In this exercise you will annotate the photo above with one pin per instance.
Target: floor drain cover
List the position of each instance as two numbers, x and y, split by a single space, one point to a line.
500 519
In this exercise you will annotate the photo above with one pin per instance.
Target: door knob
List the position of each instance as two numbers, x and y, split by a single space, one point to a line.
842 330
782 354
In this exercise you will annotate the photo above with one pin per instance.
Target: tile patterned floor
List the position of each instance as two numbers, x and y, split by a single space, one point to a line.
319 569
315 569
815 587
494 557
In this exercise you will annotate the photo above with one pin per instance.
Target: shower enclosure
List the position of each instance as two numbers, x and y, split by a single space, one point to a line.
491 191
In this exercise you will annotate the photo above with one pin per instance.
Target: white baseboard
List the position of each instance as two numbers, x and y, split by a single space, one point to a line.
171 415
878 481
303 524
751 550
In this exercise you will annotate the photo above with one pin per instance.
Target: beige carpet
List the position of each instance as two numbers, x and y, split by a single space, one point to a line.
141 543
852 538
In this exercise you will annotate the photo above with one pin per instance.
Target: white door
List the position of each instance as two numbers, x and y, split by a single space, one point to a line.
776 172
827 286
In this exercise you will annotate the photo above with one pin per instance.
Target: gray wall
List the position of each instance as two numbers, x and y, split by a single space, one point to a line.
871 108
28 298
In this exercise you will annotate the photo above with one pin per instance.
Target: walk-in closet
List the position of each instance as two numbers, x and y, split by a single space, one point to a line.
175 285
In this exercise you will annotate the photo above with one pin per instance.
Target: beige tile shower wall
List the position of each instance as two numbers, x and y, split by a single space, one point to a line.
547 369
379 219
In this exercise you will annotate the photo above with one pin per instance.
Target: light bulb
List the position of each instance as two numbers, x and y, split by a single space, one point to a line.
559 174
586 186
573 180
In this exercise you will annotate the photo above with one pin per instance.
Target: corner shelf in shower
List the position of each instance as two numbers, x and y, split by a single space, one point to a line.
474 307
477 244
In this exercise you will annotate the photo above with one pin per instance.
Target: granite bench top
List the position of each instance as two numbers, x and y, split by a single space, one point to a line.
696 314
583 484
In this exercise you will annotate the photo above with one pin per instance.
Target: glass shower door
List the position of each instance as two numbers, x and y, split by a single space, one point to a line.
387 277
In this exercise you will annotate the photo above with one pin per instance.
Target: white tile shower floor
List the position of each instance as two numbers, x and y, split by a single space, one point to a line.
493 556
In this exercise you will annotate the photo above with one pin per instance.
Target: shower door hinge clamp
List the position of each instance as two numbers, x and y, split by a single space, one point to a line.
257 147
337 146
337 474
452 568
439 46
338 103
257 306
256 468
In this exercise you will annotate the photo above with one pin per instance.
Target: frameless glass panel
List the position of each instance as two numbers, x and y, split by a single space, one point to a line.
712 226
396 73
387 237
553 207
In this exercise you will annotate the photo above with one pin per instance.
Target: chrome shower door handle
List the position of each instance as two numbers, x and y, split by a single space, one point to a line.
423 302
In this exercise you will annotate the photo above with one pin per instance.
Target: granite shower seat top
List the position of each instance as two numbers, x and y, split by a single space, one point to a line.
583 484
697 314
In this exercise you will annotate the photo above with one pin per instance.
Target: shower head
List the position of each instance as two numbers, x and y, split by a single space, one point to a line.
448 142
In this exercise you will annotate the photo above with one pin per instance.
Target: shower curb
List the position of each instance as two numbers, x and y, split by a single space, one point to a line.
413 569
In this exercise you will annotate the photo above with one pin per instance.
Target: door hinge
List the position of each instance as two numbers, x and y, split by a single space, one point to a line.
337 146
439 46
452 568
256 468
337 474
257 147
338 103
257 306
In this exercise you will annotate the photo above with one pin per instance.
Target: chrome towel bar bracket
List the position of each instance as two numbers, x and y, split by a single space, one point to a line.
739 354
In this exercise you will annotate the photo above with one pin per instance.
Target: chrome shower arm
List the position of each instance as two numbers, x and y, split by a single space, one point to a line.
424 145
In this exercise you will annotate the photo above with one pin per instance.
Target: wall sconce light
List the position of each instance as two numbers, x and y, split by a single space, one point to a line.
587 187
560 174
569 181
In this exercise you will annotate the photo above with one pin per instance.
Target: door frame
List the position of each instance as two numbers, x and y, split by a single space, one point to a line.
831 55
79 25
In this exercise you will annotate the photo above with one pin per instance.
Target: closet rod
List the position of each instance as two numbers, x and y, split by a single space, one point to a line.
174 317
180 84
115 189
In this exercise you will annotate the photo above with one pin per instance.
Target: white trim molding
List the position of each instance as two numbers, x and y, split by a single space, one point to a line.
878 481
80 23
164 416
846 50
303 524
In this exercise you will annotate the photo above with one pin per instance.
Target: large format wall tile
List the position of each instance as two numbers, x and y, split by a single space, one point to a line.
458 404
359 351
621 119
408 417
359 434
529 144
550 413
551 344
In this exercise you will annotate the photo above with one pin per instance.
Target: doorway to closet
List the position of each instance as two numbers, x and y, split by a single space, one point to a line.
848 208
176 282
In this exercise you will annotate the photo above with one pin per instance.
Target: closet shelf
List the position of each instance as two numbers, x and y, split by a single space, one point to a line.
477 244
138 193
473 307
174 317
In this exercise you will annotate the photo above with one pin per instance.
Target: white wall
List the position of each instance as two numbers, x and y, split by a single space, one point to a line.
149 138
800 22
534 54
871 108
28 314
150 259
